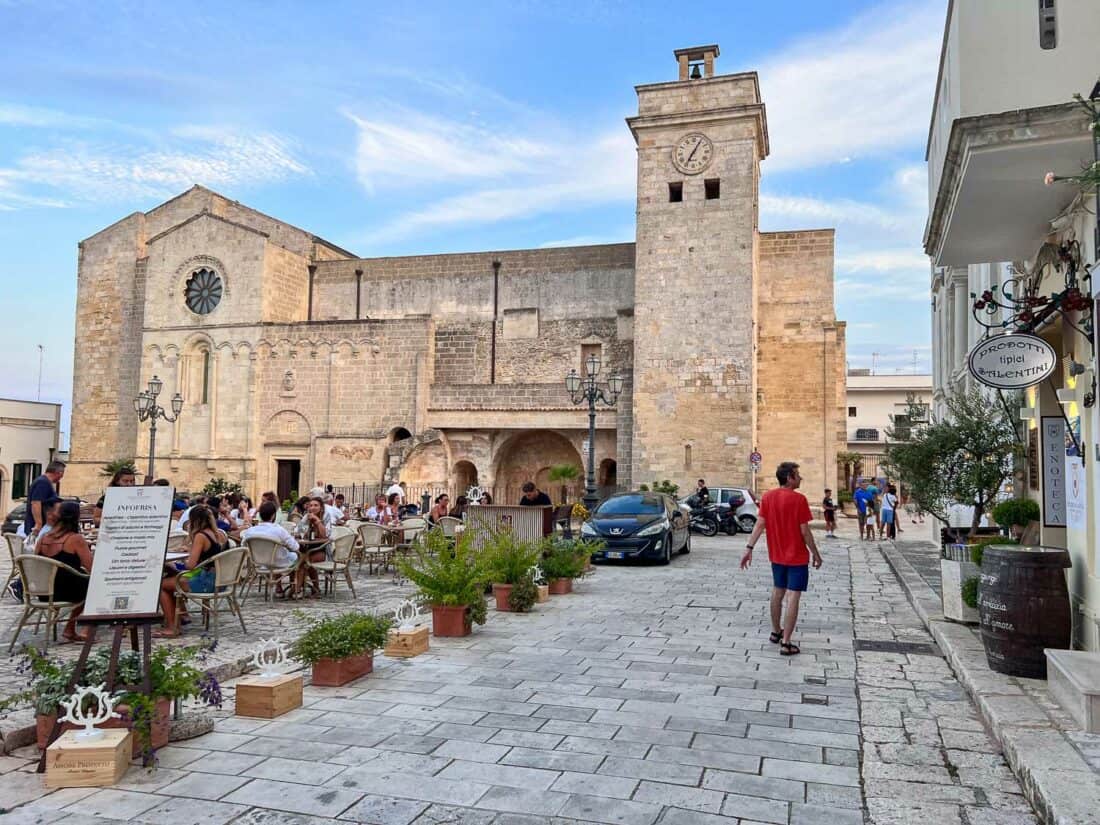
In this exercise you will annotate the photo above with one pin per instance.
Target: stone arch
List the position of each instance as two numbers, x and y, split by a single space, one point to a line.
426 466
399 434
288 427
528 456
464 475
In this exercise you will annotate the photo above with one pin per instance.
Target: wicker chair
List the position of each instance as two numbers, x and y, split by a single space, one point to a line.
448 524
265 567
342 545
39 574
15 548
373 546
231 572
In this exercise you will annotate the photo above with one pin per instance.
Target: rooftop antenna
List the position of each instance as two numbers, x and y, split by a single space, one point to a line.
874 362
41 352
914 362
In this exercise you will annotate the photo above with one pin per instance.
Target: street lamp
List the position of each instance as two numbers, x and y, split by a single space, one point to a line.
587 389
146 407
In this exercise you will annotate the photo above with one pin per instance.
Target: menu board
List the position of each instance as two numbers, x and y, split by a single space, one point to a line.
129 552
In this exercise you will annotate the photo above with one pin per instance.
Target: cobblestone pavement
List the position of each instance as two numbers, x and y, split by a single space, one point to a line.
651 695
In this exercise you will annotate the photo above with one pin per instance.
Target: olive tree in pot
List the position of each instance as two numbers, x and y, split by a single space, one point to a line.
506 562
450 580
341 648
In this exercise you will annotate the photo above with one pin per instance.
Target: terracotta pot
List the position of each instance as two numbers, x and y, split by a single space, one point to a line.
158 733
451 620
336 672
559 587
502 592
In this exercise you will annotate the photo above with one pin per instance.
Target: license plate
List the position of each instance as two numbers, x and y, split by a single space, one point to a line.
614 554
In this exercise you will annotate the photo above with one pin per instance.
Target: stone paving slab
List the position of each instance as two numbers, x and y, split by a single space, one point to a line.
626 702
1056 762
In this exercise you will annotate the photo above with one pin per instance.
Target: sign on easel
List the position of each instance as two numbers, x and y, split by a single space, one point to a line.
129 554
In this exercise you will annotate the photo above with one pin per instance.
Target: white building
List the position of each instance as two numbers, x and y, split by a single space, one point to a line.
30 434
1004 117
877 403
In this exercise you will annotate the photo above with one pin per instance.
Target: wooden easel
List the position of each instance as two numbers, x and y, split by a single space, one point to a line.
120 624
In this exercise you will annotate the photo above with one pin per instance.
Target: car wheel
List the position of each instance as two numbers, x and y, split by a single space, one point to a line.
687 544
666 555
746 522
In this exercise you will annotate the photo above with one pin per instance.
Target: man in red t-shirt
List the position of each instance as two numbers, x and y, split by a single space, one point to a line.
785 514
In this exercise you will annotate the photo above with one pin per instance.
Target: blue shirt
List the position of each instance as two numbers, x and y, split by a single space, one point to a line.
41 491
862 498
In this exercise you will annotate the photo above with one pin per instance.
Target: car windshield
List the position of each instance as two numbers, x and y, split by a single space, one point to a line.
640 504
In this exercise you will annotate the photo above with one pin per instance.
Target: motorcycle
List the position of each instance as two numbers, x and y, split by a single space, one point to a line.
704 517
728 520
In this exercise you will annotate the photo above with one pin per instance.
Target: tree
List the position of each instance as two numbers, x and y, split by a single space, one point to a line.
109 469
564 473
963 459
219 486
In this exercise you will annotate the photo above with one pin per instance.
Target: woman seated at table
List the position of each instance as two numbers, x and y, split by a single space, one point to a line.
440 509
65 544
123 477
391 514
206 542
298 511
378 509
459 510
313 531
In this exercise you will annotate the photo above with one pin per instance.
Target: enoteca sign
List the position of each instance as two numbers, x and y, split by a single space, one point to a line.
1012 362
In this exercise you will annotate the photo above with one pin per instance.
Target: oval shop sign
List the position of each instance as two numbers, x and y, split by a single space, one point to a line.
1012 362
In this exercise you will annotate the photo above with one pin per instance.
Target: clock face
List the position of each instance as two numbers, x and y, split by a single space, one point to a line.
693 153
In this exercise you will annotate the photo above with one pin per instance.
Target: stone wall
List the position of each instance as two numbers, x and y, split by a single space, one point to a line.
801 359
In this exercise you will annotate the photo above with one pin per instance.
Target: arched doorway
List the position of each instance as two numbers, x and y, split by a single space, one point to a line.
529 456
463 477
608 476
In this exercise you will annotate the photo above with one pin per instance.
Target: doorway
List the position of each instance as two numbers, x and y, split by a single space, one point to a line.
287 472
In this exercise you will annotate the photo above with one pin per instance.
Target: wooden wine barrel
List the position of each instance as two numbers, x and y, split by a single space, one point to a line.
1023 605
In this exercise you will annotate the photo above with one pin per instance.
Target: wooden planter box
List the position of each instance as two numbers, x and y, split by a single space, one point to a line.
73 763
267 698
544 593
404 644
158 733
453 621
337 672
560 587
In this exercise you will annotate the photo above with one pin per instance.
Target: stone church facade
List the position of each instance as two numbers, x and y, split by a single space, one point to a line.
298 361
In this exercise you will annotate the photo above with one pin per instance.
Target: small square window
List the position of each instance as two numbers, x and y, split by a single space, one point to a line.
675 192
851 412
712 188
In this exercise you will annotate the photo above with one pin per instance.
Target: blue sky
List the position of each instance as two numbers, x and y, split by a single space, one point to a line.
436 127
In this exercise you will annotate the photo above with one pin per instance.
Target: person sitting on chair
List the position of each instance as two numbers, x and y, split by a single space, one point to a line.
64 543
206 542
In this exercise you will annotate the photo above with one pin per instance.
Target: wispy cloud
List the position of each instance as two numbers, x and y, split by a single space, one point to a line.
858 91
97 172
801 209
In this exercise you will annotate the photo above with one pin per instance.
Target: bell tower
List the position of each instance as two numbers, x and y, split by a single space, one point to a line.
700 142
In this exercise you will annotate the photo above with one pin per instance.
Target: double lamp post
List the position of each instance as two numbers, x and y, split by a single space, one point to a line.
147 409
586 389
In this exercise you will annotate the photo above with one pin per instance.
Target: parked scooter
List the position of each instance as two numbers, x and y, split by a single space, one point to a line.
727 519
704 518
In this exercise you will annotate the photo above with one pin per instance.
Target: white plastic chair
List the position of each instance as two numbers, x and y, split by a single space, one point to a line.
39 575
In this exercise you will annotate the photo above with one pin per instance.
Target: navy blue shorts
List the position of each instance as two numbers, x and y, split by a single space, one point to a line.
791 576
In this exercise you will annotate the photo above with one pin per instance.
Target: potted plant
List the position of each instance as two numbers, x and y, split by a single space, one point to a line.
564 560
506 562
340 648
1015 514
174 674
450 580
960 567
844 499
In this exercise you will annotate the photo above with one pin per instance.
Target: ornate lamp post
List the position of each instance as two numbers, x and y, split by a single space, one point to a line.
586 389
146 407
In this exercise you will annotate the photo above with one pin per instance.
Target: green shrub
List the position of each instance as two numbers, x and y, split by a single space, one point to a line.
447 575
507 560
970 592
1016 512
666 487
524 595
561 560
219 486
844 497
339 637
977 551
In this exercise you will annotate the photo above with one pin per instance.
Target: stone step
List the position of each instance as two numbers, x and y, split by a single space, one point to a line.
1073 679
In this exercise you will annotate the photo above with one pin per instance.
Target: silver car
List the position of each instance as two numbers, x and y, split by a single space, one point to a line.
722 496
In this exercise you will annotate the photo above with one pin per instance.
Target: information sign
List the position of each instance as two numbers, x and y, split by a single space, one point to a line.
1054 470
756 458
129 552
1012 362
1075 493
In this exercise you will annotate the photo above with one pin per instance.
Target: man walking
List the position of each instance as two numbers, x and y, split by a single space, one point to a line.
785 515
42 490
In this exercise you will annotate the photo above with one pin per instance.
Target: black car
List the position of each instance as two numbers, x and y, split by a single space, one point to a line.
14 519
639 526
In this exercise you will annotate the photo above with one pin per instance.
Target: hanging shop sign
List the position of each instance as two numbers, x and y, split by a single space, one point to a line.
1012 362
1054 470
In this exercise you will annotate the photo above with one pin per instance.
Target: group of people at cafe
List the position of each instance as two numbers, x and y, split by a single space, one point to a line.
205 526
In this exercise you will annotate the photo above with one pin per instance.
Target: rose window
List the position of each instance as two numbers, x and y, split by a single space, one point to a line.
203 291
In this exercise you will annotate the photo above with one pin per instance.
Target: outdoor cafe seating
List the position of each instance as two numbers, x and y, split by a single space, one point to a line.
39 575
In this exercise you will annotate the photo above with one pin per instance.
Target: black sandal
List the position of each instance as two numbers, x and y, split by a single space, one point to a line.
776 637
789 649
